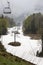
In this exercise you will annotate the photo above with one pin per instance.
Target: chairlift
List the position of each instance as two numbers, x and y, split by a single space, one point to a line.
7 10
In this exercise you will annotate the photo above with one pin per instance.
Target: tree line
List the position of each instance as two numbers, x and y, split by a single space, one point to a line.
33 24
5 22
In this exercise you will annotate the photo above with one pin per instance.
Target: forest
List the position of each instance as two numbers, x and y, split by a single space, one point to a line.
33 24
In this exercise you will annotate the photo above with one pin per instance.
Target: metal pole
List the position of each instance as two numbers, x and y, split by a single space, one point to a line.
14 37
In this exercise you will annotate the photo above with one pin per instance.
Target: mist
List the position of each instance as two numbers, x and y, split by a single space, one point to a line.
20 6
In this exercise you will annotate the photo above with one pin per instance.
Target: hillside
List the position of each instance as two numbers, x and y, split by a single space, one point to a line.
9 59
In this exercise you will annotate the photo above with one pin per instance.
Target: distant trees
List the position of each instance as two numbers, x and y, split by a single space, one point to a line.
10 21
33 24
4 23
3 26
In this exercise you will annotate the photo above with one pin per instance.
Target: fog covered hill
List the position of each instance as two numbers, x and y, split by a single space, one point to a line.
22 17
39 6
22 8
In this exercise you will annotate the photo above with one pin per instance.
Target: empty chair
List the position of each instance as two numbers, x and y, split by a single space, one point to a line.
7 10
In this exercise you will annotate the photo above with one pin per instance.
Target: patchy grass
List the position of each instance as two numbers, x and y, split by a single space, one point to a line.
34 36
9 59
15 43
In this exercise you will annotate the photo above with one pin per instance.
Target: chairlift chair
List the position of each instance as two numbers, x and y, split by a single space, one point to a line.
7 10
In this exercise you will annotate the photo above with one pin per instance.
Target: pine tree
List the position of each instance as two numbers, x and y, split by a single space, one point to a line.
33 28
3 26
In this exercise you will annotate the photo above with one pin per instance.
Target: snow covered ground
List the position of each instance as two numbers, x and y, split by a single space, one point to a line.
0 39
28 48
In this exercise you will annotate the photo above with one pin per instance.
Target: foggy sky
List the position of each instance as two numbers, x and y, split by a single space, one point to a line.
20 6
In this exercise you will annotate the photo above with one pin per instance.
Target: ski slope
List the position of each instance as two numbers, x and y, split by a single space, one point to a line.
28 48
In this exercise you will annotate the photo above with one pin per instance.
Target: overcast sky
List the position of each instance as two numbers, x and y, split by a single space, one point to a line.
20 6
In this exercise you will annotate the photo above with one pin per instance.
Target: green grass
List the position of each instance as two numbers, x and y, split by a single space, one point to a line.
9 59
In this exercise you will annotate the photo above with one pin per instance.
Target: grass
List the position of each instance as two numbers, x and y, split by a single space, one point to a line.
9 59
15 44
34 36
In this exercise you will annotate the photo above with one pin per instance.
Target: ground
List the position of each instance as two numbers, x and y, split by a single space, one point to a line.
34 36
28 48
15 44
9 59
